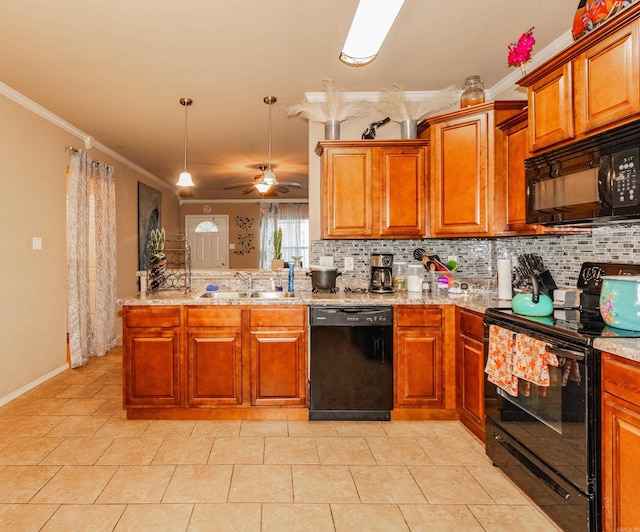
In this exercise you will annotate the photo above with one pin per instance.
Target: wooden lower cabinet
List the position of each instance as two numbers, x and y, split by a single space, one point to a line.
278 356
214 355
424 365
470 385
151 340
620 443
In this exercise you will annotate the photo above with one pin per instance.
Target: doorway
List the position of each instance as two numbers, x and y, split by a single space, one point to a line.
208 237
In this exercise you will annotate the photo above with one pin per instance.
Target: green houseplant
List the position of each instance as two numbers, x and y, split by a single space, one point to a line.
277 262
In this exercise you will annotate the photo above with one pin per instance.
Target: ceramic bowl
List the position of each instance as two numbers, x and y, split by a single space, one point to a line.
620 301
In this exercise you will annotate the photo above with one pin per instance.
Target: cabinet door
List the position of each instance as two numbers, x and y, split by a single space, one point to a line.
606 80
402 192
348 194
459 181
214 367
419 368
551 109
152 367
278 371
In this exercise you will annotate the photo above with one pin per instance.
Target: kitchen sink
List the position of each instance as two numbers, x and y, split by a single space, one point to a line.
272 295
225 294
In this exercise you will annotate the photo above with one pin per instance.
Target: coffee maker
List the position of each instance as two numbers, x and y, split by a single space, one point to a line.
381 265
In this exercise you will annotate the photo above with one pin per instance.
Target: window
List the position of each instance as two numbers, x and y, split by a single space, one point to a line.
207 226
293 219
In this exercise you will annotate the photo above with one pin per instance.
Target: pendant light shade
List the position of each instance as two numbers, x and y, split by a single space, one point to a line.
185 177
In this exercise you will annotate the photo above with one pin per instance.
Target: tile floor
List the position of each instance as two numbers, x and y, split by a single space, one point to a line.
70 460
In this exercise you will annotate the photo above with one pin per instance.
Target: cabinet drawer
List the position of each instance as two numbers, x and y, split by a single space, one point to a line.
212 316
418 316
150 316
278 316
621 378
471 324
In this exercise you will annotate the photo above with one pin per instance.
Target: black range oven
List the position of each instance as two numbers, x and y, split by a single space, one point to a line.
543 427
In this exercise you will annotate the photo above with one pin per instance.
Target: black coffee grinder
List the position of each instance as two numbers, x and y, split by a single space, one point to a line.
381 265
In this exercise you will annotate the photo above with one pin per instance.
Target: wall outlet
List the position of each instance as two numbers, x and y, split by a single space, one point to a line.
452 258
326 260
348 264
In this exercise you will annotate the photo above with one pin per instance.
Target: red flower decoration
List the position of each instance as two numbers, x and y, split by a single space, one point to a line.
521 53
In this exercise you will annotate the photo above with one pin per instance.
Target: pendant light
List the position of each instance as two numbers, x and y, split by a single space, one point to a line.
185 177
268 177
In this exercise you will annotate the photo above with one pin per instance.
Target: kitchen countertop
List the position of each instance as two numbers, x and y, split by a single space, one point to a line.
628 348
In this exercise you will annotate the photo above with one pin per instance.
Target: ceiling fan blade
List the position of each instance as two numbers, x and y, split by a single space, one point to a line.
282 188
290 183
249 190
247 184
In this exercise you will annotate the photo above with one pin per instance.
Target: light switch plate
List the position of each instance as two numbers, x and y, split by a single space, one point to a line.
348 264
37 243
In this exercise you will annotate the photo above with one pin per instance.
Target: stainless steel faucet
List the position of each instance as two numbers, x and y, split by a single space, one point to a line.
248 280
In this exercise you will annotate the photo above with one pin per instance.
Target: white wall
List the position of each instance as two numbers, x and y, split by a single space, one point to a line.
33 164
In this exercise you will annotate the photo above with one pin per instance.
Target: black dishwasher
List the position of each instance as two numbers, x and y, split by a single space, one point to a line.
351 363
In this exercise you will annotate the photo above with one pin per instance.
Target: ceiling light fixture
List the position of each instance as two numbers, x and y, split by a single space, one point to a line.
268 176
369 28
185 177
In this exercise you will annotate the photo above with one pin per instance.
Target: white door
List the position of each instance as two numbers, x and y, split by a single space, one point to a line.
208 237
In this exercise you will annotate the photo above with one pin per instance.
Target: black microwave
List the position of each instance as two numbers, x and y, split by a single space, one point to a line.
591 182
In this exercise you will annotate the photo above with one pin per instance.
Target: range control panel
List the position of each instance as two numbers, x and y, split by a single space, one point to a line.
625 182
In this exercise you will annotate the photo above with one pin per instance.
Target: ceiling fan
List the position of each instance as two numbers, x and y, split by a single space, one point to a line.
267 181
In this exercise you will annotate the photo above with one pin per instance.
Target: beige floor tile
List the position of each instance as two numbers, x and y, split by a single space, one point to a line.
374 485
23 517
155 517
440 518
449 485
184 450
110 390
81 407
505 518
137 484
408 429
77 451
92 517
28 451
231 517
323 484
122 428
312 428
237 450
111 407
199 484
290 450
451 451
264 428
217 428
261 483
344 450
164 427
76 485
21 483
78 426
44 390
359 428
44 406
369 517
131 451
80 391
299 517
30 426
496 484
454 429
397 451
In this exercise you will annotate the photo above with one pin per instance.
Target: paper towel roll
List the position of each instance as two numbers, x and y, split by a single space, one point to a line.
505 290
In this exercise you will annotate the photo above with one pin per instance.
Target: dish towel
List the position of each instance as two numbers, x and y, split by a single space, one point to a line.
499 368
531 360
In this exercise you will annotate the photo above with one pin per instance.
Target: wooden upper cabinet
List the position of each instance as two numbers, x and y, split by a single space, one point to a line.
551 109
373 189
606 80
467 170
591 86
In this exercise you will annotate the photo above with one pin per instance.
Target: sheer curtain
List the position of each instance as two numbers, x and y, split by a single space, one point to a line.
293 218
83 337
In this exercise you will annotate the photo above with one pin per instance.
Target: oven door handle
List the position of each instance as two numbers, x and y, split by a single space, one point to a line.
533 468
565 353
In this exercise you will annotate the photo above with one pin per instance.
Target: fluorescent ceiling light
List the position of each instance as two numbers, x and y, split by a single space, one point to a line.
371 23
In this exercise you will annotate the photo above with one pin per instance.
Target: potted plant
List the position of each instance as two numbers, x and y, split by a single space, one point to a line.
277 263
331 112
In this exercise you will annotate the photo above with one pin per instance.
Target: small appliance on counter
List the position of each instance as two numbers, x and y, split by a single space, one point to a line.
381 268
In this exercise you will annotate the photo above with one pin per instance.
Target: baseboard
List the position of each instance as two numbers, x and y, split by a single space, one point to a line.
30 386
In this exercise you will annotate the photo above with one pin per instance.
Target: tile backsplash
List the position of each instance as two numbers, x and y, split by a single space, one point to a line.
476 257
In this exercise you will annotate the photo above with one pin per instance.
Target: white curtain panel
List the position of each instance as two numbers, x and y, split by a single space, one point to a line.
79 311
105 221
269 213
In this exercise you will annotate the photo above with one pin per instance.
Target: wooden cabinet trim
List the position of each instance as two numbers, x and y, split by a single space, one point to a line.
151 316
